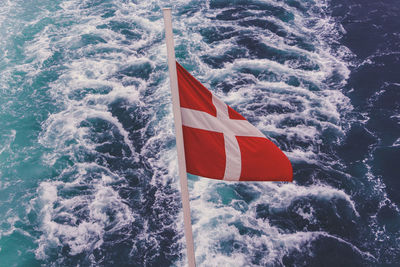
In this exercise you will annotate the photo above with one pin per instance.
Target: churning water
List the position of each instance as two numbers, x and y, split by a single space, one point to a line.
88 169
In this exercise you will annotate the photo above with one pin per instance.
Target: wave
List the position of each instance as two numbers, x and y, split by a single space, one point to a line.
110 194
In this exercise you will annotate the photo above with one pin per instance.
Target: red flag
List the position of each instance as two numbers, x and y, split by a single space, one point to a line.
220 143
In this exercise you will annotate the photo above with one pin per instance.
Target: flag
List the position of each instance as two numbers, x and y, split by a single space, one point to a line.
220 143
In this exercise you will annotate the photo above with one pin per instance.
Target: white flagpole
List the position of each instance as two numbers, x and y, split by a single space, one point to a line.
179 135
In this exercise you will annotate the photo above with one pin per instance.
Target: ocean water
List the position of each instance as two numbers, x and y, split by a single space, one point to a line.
88 168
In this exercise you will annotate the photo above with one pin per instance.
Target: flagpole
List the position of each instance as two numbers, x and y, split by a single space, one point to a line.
179 135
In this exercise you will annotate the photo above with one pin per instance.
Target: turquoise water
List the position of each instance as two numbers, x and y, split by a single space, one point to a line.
88 171
25 105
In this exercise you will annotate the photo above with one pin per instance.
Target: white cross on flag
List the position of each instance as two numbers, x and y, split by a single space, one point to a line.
220 143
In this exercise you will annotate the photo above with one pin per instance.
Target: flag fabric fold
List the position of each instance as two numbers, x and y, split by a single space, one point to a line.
220 143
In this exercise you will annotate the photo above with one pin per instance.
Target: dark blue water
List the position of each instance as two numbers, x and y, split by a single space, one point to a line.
372 34
88 173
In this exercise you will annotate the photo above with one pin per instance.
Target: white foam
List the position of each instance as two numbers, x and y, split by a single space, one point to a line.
307 212
397 142
80 234
85 67
9 139
321 108
63 134
216 223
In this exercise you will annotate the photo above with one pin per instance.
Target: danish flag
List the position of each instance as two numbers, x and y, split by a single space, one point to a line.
220 143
